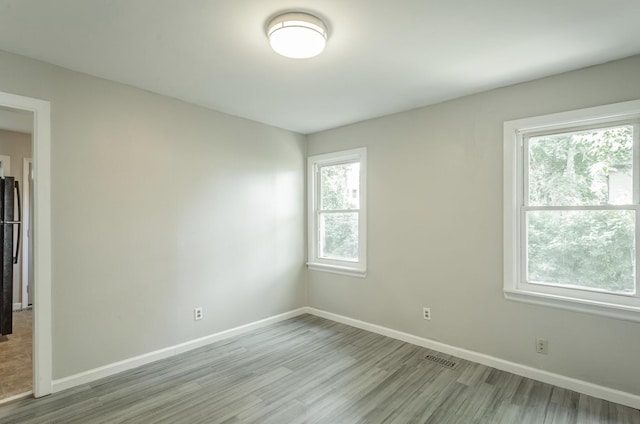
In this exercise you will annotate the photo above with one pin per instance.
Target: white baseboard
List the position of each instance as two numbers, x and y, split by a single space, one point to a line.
606 393
580 386
16 397
17 306
127 364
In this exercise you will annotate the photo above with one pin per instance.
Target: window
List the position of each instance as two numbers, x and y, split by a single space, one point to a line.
572 210
337 212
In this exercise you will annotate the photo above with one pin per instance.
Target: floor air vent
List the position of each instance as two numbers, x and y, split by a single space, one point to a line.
441 361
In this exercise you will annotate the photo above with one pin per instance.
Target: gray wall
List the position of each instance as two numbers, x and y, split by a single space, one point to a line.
159 206
435 231
18 146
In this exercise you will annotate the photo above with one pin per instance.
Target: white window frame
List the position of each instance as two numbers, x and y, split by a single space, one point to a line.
626 307
315 262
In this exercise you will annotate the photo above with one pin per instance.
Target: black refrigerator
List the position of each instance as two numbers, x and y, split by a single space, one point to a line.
9 218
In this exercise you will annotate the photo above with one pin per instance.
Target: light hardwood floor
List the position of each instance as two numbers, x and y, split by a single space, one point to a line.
311 370
16 356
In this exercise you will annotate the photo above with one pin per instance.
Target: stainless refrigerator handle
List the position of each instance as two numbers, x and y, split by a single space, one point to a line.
15 257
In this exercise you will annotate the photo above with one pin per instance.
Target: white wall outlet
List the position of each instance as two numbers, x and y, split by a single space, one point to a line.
197 314
542 346
426 313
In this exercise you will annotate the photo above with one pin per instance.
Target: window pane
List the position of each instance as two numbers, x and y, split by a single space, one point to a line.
339 236
582 168
582 249
340 186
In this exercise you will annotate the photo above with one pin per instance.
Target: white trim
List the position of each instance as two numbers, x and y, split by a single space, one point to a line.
606 393
26 205
15 397
337 269
16 307
515 286
591 115
130 363
574 304
42 347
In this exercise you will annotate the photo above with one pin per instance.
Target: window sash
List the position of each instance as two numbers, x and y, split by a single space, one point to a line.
320 239
337 210
319 212
315 260
318 181
524 249
525 136
631 299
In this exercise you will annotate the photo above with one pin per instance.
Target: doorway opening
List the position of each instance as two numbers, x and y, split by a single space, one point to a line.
32 293
16 334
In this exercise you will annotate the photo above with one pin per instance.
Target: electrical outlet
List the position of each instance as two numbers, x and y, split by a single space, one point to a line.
426 313
197 314
542 346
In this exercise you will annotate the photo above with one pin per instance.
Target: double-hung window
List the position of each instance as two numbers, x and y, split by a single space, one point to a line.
337 212
571 212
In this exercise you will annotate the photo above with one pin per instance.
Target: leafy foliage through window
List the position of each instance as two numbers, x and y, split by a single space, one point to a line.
340 204
567 245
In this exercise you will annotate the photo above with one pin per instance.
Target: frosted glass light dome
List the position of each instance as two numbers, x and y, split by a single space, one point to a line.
297 35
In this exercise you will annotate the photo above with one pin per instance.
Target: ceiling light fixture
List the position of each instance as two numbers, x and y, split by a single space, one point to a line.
297 35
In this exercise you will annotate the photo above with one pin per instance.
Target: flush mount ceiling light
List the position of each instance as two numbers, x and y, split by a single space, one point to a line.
297 35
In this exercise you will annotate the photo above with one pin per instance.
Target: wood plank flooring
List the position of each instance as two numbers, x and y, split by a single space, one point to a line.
311 370
16 352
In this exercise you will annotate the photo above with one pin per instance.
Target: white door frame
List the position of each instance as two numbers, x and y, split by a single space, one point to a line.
26 229
42 348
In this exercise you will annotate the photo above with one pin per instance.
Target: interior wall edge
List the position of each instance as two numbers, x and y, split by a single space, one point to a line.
612 395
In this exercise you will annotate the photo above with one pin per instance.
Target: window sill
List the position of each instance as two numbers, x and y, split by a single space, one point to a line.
627 313
335 269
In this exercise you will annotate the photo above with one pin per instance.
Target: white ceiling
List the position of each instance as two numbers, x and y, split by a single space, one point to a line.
383 56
